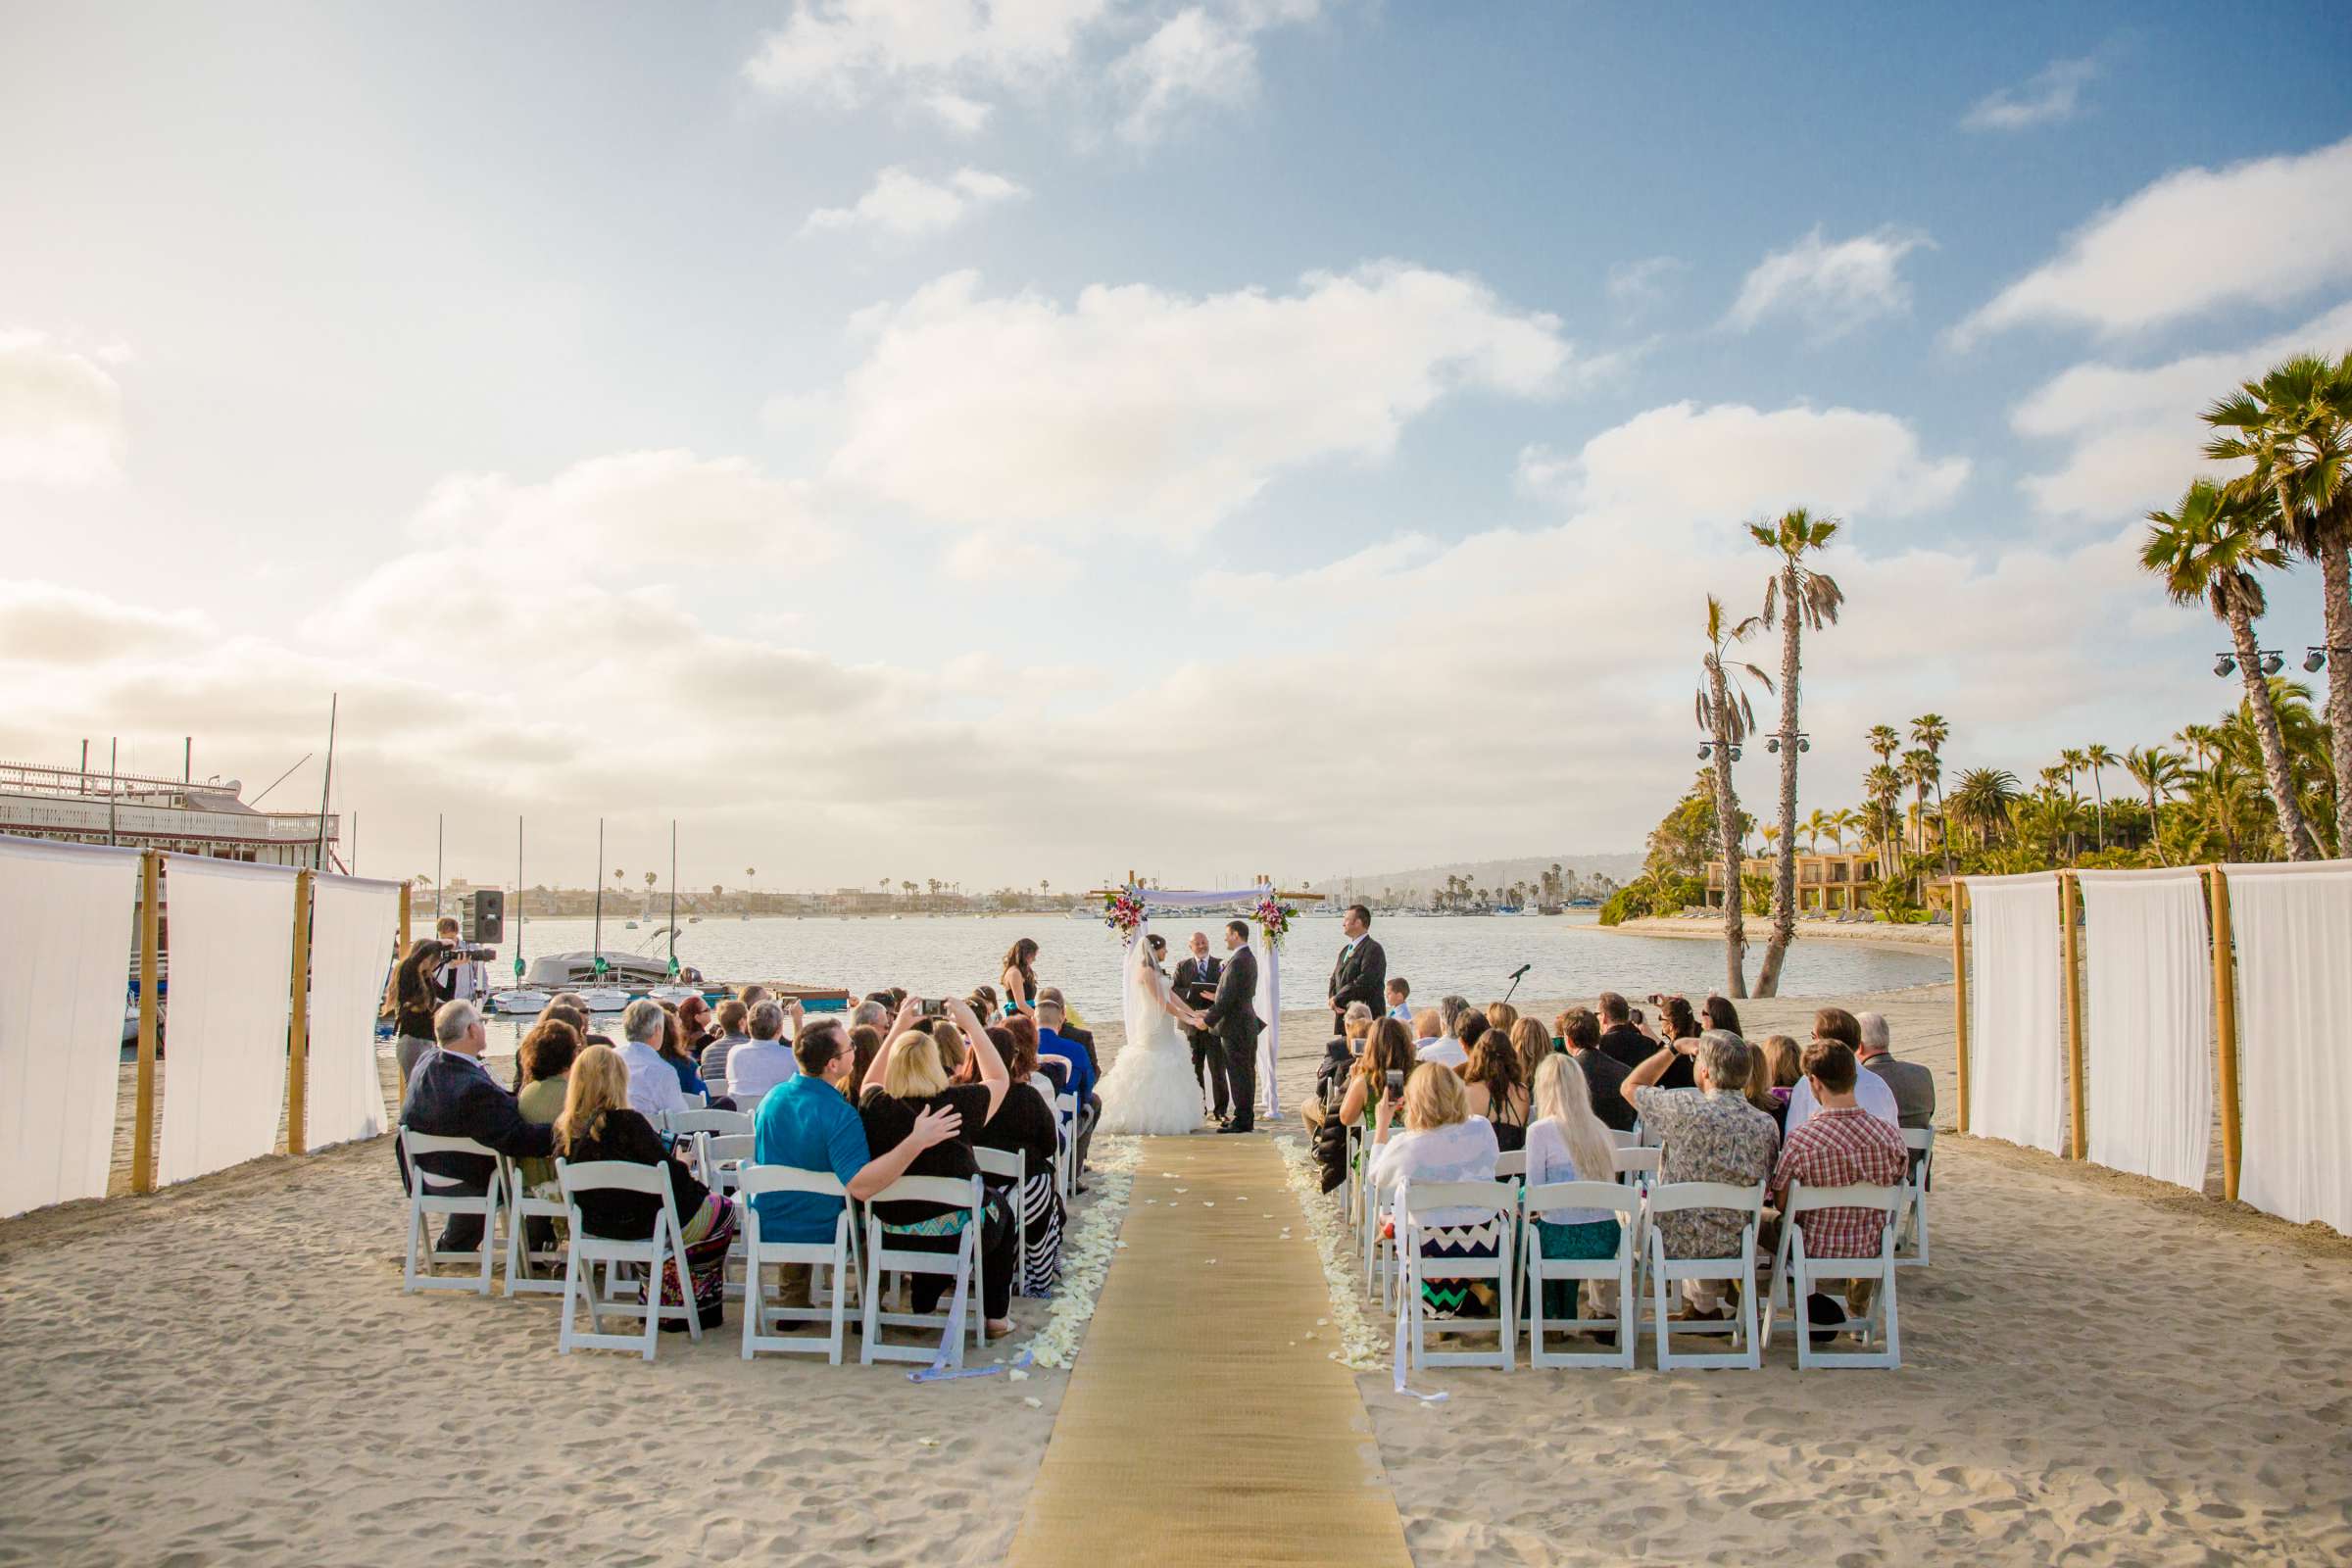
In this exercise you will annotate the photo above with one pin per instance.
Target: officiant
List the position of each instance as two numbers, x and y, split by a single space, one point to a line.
1196 986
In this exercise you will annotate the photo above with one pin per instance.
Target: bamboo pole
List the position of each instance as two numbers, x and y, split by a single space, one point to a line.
2070 907
2224 1004
1960 990
405 916
151 934
298 1030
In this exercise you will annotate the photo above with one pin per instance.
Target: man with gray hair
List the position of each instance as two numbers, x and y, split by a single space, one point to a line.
1710 1134
767 1062
873 1013
451 1096
654 1087
1914 1085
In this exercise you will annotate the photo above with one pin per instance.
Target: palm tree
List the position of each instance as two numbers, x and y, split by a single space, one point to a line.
1883 786
1814 825
2154 769
1922 772
2099 759
1725 715
2293 428
1882 739
1931 730
1983 800
2206 551
1803 598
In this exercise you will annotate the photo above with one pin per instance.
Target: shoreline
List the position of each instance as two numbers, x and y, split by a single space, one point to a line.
1884 939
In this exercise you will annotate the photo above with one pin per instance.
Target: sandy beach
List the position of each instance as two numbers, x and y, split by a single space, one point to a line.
227 1371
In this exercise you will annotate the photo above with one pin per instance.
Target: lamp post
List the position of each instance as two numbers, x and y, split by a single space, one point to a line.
2315 659
2272 661
1804 742
1706 748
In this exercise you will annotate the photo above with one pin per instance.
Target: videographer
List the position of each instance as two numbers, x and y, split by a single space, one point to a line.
466 975
417 991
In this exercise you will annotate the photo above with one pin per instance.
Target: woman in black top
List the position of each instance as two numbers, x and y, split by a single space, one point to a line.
416 996
1024 1125
598 1124
1679 1023
906 1079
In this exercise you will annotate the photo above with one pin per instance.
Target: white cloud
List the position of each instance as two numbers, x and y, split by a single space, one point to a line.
2052 95
966 117
1008 559
906 206
1683 464
61 413
1636 288
2135 433
2265 232
1832 287
1153 413
952 58
1358 579
44 624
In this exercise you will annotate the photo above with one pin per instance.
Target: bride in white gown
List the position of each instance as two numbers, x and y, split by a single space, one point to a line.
1150 1088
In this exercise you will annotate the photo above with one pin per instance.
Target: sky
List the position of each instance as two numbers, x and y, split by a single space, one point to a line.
1005 440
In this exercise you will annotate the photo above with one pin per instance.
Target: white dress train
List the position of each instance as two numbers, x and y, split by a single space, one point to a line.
1150 1087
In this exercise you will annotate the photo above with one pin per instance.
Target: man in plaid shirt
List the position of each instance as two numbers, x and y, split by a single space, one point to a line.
1841 1146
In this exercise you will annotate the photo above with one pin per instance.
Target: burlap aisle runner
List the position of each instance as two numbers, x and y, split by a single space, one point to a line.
1204 1422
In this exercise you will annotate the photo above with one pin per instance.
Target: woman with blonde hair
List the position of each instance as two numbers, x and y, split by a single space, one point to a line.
1532 1042
1777 1056
906 1079
1567 1143
598 1124
1441 1143
1495 1089
1501 1015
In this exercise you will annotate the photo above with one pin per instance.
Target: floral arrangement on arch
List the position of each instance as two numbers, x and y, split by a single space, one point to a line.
1123 912
1274 920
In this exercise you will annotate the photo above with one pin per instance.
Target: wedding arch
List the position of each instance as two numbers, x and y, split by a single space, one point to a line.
1128 909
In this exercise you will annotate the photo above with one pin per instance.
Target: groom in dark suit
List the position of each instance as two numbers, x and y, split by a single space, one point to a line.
1196 987
1362 972
1234 1018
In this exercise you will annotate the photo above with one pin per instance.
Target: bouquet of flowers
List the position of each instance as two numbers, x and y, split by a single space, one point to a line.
1123 912
1274 920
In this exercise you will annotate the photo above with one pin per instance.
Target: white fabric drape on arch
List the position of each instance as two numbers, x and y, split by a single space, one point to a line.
2293 925
2147 988
1269 975
231 946
65 922
2017 1072
352 928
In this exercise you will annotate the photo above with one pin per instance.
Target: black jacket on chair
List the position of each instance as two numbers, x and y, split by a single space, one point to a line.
454 1096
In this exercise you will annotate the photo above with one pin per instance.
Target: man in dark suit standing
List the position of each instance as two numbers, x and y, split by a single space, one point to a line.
1234 1018
452 1096
1362 972
1196 986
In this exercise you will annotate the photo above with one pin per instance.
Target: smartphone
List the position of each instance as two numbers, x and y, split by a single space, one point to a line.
934 1009
1636 1015
1395 1080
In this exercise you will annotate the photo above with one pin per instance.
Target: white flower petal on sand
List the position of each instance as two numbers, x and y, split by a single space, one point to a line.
1361 1346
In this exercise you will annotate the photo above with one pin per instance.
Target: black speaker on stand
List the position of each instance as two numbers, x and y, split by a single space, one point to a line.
484 916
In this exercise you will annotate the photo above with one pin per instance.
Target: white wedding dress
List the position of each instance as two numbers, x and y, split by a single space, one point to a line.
1150 1087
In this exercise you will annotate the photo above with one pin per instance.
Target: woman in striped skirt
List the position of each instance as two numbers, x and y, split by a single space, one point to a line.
1024 1125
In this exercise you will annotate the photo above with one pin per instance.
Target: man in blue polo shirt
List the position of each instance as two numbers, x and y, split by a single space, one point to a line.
1051 1045
805 1122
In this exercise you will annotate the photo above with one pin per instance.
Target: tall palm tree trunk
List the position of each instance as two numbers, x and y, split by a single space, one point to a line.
2275 768
2155 838
1727 831
1784 872
2335 598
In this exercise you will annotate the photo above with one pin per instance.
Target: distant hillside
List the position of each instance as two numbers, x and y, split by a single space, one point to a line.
1425 879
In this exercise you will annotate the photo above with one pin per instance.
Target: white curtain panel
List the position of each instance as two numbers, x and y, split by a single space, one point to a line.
231 946
66 931
2017 1066
353 927
2148 992
2293 925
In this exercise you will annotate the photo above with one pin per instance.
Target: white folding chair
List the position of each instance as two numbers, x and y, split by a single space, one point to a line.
1511 1166
1911 1236
839 1255
684 1123
1496 1200
1804 1273
1011 1166
429 1194
1665 1273
1065 1130
1381 1267
1641 1164
523 1205
963 1264
696 1101
1625 1204
668 1242
721 1158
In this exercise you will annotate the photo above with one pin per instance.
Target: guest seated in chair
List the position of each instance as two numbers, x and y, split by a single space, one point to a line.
1441 1142
1840 1144
1024 1125
805 1122
1604 1075
452 1096
598 1124
653 1082
906 1080
1711 1134
543 1062
1567 1143
764 1061
731 1022
1051 1045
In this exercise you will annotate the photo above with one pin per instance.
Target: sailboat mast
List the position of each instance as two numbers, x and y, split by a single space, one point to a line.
519 914
673 898
598 942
